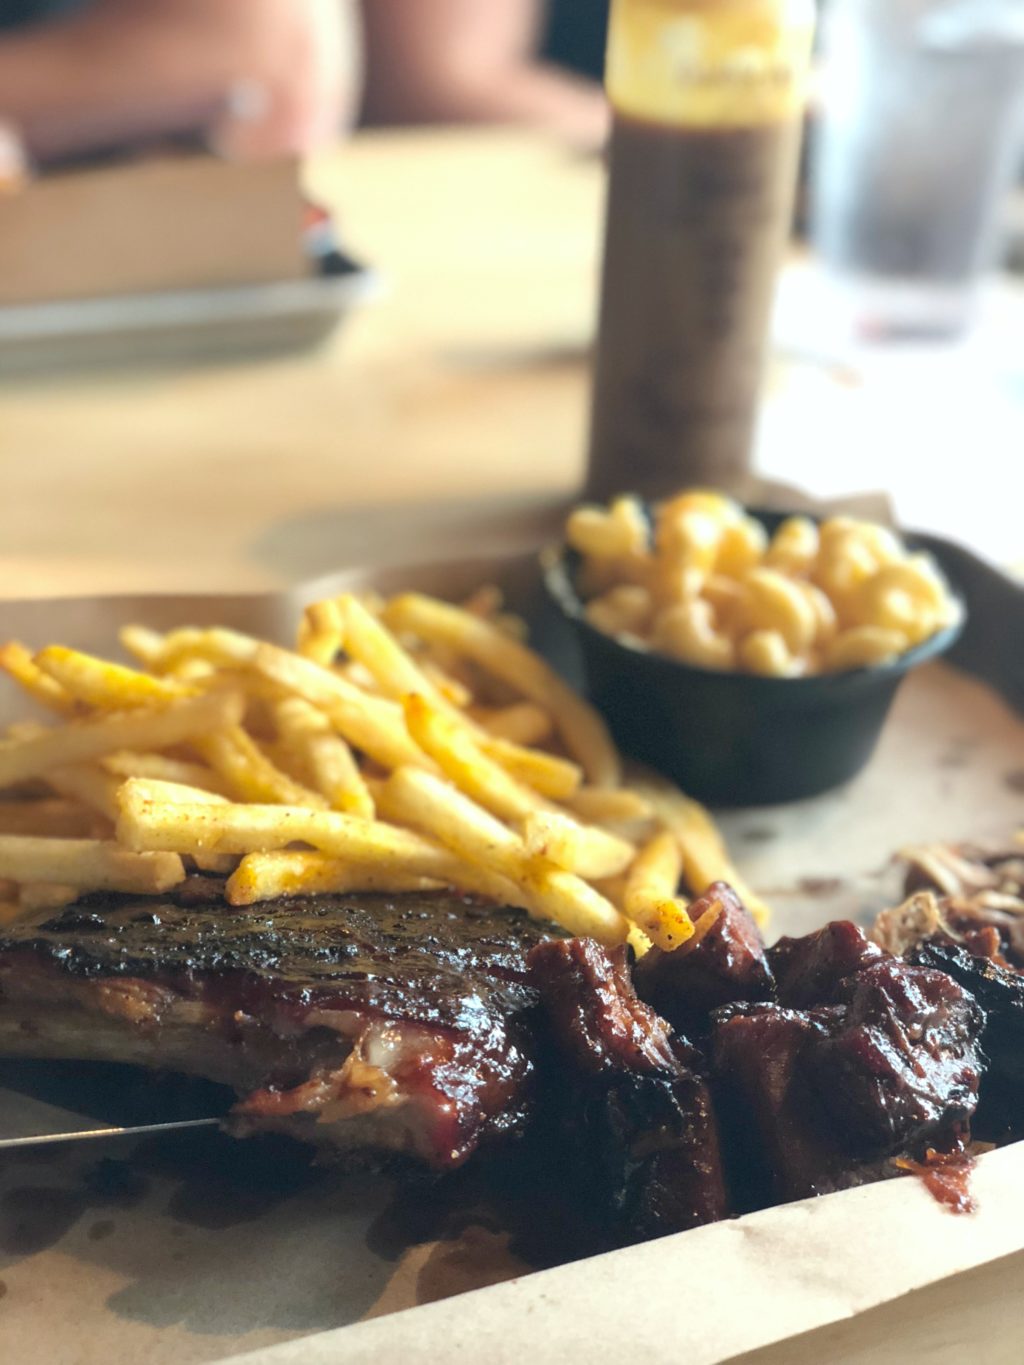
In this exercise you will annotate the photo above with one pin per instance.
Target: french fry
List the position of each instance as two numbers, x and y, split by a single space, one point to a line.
249 773
391 667
147 822
370 724
17 662
144 644
321 632
222 864
327 762
130 764
453 691
651 901
35 896
583 730
266 876
89 864
607 806
524 722
83 740
638 940
102 684
454 750
50 817
705 857
552 776
176 793
429 803
90 785
588 851
216 645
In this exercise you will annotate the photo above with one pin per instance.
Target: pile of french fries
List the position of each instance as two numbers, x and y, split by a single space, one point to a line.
402 745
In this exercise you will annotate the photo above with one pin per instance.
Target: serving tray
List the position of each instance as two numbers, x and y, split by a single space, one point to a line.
195 1249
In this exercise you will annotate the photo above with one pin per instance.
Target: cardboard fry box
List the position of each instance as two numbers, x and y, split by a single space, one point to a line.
322 1275
175 220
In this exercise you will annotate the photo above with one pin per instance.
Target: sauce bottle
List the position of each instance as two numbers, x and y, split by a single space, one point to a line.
707 99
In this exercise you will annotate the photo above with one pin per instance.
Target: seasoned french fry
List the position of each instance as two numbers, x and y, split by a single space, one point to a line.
88 863
427 802
552 776
371 724
145 644
454 750
17 662
265 876
450 688
705 858
223 864
177 793
327 762
651 901
393 669
523 722
49 817
83 740
638 940
605 806
249 773
584 849
585 733
199 828
130 764
35 896
102 684
321 632
90 785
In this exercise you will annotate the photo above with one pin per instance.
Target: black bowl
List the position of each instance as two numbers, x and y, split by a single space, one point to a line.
735 738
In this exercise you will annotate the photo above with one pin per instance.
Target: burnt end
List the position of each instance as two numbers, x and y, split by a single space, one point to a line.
905 1064
728 964
1000 993
631 1108
820 1099
593 1010
810 971
780 1144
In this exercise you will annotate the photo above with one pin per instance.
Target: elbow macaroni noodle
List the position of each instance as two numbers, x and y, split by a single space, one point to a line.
706 585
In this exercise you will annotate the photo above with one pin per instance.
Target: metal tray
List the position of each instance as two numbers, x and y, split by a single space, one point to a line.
191 325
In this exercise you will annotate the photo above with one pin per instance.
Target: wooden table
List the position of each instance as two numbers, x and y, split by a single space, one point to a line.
463 386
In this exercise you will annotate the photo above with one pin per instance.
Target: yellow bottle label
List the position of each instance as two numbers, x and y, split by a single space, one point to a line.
709 63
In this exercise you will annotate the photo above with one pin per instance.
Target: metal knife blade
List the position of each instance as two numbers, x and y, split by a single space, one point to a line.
44 1102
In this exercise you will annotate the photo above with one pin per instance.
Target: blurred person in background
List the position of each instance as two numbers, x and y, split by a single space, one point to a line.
272 77
258 77
488 61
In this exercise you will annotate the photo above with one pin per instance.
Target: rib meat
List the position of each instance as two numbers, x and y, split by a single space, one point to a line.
365 1022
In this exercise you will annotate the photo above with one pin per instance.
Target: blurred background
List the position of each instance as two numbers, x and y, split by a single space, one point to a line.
291 284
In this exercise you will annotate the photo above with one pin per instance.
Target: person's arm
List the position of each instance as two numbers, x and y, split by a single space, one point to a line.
454 61
266 76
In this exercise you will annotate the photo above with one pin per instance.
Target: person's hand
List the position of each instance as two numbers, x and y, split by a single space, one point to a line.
260 77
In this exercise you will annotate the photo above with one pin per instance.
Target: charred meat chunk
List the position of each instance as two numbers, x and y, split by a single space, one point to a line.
904 1065
1000 992
811 970
728 964
633 1107
394 1024
885 1064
